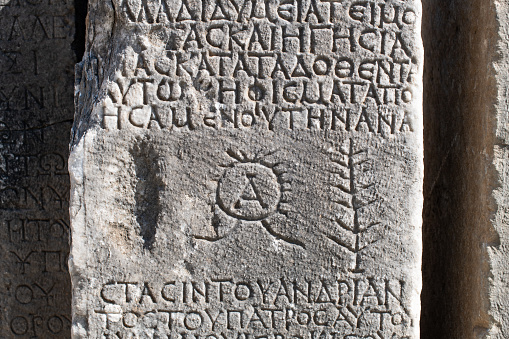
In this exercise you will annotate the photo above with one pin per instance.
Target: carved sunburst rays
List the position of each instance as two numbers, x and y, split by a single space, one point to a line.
254 187
271 163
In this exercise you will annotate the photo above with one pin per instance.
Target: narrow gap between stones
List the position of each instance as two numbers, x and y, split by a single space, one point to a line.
81 12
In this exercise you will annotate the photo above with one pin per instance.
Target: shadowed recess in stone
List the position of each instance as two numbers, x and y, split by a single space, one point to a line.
81 11
147 188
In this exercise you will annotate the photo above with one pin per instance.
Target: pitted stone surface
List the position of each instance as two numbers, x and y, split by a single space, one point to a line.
36 111
245 168
498 141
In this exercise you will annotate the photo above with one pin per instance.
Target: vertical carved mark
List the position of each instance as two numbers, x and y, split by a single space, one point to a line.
352 202
147 189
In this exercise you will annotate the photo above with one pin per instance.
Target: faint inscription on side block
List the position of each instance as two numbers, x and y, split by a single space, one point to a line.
248 169
36 111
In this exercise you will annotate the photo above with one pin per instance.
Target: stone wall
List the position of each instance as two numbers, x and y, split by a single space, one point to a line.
152 198
36 114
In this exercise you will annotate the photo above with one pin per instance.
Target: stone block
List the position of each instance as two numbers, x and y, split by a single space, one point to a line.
36 111
248 169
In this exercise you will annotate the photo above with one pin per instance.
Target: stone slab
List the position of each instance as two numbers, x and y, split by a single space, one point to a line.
36 111
248 169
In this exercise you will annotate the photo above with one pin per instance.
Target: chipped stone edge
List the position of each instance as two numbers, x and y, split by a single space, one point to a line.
498 251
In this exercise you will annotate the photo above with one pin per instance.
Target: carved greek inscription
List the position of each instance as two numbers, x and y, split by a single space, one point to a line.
36 111
21 231
35 325
251 161
325 65
278 308
34 28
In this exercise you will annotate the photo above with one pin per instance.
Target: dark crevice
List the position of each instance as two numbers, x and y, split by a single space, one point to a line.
81 12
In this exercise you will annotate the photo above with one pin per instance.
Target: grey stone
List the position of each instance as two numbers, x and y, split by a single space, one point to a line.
36 111
248 169
497 245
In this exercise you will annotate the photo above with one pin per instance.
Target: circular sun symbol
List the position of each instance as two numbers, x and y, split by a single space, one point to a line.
249 191
254 188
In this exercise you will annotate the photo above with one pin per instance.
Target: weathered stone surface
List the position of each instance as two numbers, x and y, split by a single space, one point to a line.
36 110
248 169
498 250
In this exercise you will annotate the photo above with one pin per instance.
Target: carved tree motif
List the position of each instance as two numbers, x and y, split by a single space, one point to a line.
353 230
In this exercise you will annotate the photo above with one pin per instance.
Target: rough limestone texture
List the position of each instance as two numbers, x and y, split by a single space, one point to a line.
248 169
499 254
36 111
